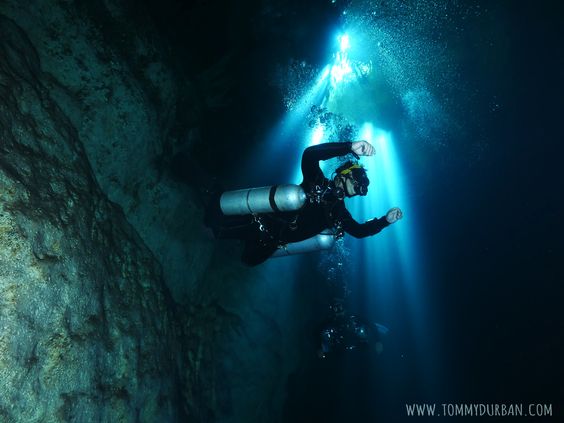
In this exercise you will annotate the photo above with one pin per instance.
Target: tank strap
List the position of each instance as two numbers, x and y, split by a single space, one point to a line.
271 195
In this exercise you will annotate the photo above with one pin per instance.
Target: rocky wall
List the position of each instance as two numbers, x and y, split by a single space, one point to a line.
107 69
87 328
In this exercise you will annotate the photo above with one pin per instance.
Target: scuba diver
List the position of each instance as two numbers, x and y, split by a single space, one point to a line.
291 219
347 332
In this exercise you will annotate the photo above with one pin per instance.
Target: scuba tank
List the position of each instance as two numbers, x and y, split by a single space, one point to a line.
323 241
281 198
276 198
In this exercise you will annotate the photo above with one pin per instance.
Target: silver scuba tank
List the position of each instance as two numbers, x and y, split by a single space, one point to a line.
276 198
323 241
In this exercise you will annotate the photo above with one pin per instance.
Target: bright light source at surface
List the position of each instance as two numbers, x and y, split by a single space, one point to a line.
344 69
344 42
340 69
342 66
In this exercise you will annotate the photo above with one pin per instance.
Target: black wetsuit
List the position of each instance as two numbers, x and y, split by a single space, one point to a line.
262 238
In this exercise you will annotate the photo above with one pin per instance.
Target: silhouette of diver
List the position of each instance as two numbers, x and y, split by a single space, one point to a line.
324 207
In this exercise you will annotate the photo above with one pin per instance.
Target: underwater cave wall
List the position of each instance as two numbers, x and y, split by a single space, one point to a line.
88 331
108 70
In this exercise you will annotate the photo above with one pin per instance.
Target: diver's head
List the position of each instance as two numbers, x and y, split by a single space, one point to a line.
351 177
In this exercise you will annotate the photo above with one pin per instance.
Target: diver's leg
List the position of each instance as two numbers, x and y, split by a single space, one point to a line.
257 251
235 227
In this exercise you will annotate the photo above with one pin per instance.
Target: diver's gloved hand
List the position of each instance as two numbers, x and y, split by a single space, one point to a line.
393 215
362 148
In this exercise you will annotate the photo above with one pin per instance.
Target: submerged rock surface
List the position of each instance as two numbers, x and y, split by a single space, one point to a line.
105 67
88 330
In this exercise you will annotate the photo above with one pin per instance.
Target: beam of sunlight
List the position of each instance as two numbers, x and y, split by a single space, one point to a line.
314 136
346 67
341 66
289 129
280 152
344 42
392 263
317 135
375 250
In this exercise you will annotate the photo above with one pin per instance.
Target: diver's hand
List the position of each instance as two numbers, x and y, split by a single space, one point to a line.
393 215
362 148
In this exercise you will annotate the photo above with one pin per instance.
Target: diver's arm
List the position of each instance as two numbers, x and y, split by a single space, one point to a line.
371 227
312 155
362 230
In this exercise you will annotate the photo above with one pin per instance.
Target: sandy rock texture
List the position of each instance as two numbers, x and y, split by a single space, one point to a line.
106 68
88 332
